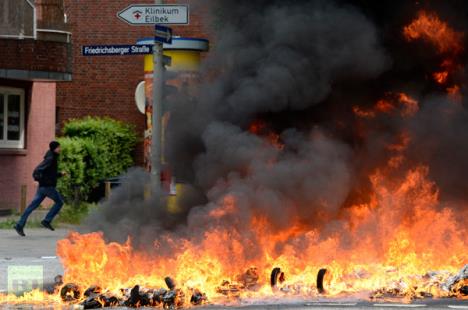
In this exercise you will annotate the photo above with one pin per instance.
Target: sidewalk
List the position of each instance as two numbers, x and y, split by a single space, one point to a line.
38 248
36 216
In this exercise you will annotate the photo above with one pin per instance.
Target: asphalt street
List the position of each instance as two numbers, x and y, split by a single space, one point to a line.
37 249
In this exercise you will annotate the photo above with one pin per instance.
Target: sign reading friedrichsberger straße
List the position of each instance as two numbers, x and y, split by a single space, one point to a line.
146 14
116 50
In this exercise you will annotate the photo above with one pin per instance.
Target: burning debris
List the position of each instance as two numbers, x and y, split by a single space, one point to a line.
197 298
94 297
174 298
246 281
426 286
58 280
458 284
249 279
432 284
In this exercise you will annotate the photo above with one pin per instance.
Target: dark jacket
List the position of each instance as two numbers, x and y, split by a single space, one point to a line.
48 170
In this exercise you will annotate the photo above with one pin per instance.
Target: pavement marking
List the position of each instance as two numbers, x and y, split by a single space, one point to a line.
349 304
48 257
400 305
457 307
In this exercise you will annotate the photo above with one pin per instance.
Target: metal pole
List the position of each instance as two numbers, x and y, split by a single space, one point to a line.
157 114
24 192
158 82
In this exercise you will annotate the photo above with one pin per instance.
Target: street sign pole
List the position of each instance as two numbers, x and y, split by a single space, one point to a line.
158 81
157 14
158 85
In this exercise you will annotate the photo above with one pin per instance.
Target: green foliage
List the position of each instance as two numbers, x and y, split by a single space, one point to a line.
93 149
74 214
117 139
72 163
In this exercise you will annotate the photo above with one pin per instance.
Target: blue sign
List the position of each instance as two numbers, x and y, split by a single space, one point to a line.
116 50
163 34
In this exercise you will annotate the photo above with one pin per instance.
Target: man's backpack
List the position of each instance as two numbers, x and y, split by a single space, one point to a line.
37 175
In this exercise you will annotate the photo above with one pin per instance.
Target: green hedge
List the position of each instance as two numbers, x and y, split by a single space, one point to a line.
93 149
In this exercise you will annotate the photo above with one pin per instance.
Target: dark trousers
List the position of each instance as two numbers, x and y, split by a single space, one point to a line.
41 194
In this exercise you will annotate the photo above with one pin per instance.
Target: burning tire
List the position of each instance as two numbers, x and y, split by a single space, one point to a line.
70 292
136 298
197 298
170 283
277 276
320 280
464 290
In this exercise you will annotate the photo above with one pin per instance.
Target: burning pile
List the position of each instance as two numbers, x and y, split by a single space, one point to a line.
94 297
430 285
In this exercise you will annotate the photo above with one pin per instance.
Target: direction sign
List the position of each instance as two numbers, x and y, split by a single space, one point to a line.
145 14
116 50
163 34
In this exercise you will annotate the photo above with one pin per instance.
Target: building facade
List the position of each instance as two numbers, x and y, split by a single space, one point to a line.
35 49
105 85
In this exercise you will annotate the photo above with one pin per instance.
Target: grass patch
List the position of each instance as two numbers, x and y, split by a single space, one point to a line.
10 222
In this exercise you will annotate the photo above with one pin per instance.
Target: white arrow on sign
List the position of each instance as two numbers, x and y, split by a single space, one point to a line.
147 14
163 34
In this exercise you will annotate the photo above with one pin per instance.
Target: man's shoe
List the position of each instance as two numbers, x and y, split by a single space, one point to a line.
19 230
47 225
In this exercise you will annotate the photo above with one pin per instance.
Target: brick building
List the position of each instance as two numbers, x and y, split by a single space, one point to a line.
38 55
35 56
105 85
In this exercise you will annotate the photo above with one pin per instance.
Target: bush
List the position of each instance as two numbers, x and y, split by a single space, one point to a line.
93 149
74 214
72 162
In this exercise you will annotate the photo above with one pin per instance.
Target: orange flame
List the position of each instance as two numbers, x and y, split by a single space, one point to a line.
441 77
428 26
260 128
393 103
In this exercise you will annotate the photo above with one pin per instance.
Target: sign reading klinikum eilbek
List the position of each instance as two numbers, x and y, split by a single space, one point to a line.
145 14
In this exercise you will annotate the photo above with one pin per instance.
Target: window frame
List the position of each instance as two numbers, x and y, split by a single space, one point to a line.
12 144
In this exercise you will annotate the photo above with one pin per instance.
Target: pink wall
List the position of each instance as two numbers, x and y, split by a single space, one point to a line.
16 168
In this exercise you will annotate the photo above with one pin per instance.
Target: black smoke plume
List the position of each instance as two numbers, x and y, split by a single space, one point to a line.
299 67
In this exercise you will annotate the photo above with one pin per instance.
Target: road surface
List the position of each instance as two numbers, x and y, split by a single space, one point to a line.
38 248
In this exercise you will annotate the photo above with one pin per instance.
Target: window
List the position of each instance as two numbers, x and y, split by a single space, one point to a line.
17 19
11 118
